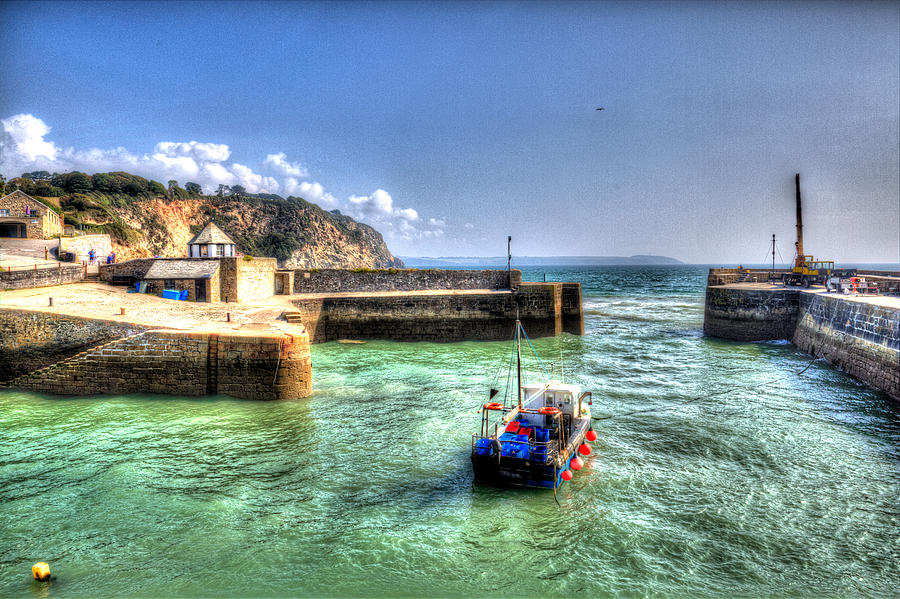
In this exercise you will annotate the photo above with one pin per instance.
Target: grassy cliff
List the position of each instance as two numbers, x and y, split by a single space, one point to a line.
146 219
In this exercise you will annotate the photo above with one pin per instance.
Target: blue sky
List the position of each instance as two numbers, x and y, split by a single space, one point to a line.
448 126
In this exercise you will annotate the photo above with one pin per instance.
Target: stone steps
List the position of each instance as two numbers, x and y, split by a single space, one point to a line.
71 360
293 316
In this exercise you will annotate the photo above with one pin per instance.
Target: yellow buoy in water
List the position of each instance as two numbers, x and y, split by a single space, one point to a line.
41 571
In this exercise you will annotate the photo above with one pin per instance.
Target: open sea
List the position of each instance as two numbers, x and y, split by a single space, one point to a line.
739 477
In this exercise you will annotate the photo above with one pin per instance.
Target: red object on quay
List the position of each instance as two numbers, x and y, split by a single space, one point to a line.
566 475
584 449
591 436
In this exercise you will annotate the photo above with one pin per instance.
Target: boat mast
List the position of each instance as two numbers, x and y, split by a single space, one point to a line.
519 360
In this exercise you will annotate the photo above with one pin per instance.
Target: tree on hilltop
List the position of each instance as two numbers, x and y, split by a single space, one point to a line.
193 188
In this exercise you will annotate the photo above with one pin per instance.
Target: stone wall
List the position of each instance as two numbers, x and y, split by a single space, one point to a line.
254 366
727 276
128 271
81 245
572 309
31 339
401 279
860 339
750 314
255 278
41 277
443 317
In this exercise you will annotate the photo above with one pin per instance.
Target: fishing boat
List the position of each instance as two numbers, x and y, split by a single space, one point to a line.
537 441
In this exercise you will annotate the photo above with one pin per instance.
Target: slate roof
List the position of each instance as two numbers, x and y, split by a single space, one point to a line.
211 234
182 269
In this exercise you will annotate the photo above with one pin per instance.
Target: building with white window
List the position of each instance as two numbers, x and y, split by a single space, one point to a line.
23 216
211 242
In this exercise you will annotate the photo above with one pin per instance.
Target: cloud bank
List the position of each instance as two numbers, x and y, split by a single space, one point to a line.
24 148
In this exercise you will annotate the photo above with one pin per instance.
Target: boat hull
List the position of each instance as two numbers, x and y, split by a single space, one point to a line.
504 471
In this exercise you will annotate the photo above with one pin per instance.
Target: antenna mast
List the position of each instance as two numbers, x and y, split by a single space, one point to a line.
519 360
799 259
773 254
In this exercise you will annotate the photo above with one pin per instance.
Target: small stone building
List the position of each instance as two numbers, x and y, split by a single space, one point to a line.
211 242
23 216
200 278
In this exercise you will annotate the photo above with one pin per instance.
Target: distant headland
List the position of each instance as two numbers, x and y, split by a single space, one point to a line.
527 261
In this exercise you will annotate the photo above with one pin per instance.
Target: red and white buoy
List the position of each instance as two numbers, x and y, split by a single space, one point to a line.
566 475
576 464
584 449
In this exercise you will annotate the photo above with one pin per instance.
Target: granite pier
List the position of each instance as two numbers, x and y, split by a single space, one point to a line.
858 334
89 338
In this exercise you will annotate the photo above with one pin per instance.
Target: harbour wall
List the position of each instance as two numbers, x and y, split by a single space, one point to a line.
41 277
402 279
257 365
31 339
545 309
859 337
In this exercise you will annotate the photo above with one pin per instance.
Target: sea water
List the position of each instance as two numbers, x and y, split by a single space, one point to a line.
722 471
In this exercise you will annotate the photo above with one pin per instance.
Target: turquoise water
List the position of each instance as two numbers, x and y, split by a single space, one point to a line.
789 485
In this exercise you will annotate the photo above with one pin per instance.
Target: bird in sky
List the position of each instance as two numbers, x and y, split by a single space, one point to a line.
601 108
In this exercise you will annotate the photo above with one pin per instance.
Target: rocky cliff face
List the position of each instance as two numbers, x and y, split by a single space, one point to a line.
298 233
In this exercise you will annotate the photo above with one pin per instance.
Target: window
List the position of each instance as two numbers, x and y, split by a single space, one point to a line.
220 249
169 283
4 211
204 251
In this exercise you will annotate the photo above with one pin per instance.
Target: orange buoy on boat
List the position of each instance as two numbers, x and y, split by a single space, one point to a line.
41 571
576 464
591 436
493 406
548 411
566 475
584 449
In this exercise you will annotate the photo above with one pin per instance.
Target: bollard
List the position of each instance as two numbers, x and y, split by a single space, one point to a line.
51 301
228 317
122 311
41 571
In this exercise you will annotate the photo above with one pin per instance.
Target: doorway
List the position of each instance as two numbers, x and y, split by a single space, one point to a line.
200 290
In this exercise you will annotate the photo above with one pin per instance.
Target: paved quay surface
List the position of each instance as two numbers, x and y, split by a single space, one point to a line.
399 293
888 301
98 300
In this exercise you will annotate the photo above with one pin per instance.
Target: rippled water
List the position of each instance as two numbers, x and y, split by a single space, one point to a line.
786 485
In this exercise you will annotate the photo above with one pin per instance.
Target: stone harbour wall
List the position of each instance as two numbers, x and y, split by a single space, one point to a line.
442 317
750 314
41 277
257 366
572 309
31 339
860 339
401 279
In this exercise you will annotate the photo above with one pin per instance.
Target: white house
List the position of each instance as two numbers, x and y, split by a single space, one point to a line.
211 242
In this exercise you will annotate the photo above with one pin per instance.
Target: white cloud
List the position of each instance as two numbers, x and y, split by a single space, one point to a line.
253 182
23 148
469 226
288 169
204 152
